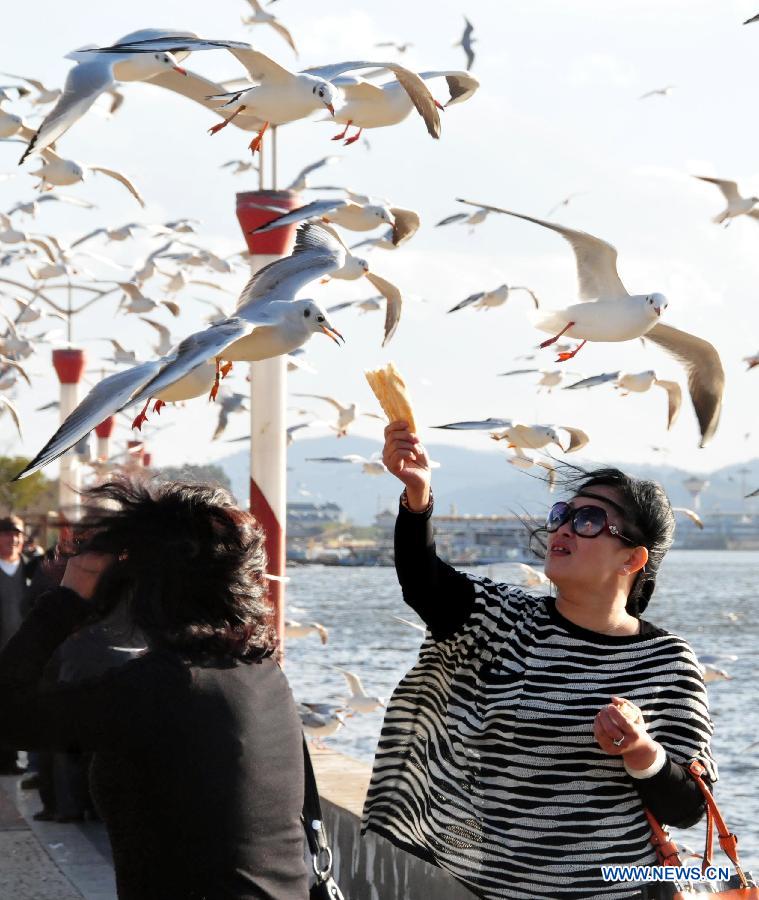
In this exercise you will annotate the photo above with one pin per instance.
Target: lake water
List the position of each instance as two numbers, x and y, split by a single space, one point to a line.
709 598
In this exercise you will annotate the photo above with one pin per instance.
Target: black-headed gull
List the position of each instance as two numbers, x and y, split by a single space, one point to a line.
369 105
320 720
616 315
347 413
44 94
495 297
565 201
472 219
137 56
521 436
165 342
279 96
736 204
466 43
637 383
689 514
300 182
261 17
268 322
7 406
229 403
346 213
401 48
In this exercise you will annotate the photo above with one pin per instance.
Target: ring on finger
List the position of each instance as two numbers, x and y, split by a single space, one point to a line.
619 741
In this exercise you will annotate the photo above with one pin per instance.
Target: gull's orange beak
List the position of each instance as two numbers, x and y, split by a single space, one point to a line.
330 107
658 311
439 105
333 333
180 70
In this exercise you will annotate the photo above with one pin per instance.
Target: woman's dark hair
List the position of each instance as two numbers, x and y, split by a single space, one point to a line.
648 519
189 564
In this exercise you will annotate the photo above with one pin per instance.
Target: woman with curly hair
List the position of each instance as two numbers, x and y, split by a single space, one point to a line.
198 759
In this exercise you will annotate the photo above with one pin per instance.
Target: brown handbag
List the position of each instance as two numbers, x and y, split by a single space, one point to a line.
741 885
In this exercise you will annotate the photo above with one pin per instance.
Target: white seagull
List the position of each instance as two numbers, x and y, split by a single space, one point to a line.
549 378
495 297
521 436
471 219
59 172
736 204
137 56
347 413
637 383
368 105
658 92
359 701
268 322
261 17
295 629
368 466
616 315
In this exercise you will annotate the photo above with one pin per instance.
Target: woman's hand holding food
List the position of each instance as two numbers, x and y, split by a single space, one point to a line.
620 730
406 458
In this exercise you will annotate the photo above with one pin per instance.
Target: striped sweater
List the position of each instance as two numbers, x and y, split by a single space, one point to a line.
487 764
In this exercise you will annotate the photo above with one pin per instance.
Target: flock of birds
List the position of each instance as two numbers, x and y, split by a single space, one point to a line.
268 318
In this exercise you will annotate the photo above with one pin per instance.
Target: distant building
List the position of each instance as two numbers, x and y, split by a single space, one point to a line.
721 531
309 519
472 539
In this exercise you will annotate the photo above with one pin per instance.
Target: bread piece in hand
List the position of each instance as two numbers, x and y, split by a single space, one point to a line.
391 392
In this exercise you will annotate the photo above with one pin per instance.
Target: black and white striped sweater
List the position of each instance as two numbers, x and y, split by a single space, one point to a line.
487 764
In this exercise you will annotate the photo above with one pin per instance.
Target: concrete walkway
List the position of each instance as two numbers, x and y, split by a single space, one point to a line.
47 860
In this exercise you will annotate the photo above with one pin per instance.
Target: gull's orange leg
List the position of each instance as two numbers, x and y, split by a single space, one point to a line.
225 369
339 137
556 337
223 124
158 406
255 144
570 354
142 417
352 140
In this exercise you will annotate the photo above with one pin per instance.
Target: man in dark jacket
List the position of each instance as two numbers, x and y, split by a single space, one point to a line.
15 573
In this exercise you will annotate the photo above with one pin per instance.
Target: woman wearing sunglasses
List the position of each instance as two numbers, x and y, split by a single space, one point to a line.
520 751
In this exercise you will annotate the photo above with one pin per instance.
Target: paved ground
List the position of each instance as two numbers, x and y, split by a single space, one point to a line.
48 861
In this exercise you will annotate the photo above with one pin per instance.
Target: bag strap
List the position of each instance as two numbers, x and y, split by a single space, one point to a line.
313 824
666 849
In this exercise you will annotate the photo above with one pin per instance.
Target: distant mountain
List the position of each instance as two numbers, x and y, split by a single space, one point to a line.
468 481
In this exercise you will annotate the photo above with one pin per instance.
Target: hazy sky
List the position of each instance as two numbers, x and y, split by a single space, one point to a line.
557 112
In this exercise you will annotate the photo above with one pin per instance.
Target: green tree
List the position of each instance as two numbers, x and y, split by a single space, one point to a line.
20 496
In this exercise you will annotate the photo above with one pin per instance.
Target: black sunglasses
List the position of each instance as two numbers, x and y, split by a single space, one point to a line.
585 521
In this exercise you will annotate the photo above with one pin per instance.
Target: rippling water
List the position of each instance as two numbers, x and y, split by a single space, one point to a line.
709 598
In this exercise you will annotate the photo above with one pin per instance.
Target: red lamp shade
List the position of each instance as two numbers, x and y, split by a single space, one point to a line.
105 428
69 365
272 243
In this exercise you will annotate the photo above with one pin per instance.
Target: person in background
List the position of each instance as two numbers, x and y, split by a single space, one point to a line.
16 571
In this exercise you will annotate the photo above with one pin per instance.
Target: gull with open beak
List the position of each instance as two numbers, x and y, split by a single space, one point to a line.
268 322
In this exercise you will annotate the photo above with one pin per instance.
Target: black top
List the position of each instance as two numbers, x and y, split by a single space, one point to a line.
444 598
198 767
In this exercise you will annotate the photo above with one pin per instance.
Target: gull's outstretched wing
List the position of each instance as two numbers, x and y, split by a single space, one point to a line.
577 438
449 220
394 304
317 252
196 87
13 412
468 301
406 224
336 403
461 85
481 425
84 84
593 381
417 90
354 682
261 67
706 377
674 399
107 397
312 210
299 182
596 259
729 189
111 173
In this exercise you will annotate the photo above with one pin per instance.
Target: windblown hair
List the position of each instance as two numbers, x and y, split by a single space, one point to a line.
189 564
648 519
